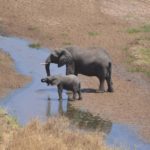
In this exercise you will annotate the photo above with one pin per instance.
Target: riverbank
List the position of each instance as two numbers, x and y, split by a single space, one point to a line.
9 78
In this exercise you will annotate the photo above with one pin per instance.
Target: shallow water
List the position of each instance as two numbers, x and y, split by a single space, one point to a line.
39 100
31 101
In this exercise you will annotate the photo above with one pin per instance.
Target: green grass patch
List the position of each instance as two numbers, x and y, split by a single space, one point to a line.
93 33
139 61
35 45
8 119
146 54
11 120
133 30
144 28
64 34
139 69
2 112
129 57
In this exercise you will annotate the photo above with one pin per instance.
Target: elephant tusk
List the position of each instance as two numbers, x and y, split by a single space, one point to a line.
43 63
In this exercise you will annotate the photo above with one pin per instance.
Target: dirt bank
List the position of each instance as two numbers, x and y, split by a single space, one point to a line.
91 23
9 79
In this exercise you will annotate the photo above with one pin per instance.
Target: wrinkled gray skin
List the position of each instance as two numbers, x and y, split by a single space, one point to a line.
68 82
90 62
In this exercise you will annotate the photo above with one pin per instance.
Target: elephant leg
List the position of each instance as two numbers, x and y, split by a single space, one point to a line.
70 68
101 86
109 84
74 95
60 92
76 73
79 93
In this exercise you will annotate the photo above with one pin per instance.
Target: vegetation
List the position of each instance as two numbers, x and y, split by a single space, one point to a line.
8 126
35 45
133 30
93 33
139 69
139 60
144 28
138 51
55 134
10 120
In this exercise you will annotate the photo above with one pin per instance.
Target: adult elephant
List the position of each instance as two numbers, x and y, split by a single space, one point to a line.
90 62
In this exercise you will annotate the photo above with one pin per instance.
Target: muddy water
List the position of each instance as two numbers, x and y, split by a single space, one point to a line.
39 100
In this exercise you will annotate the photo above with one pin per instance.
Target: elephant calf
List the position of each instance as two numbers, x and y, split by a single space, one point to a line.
68 82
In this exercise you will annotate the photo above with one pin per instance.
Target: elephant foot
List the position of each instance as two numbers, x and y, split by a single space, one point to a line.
80 98
110 90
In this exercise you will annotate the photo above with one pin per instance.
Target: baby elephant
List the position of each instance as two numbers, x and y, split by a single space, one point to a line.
68 82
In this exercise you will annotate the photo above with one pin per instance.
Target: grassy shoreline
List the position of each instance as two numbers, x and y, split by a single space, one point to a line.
54 134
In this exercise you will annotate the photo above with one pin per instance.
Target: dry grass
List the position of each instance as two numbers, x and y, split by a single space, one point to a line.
8 125
9 79
138 59
53 135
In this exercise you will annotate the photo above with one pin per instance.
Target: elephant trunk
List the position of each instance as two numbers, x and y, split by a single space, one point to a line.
52 58
47 69
47 65
42 80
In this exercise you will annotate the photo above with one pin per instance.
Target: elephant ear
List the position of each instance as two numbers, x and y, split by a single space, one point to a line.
54 56
57 52
65 58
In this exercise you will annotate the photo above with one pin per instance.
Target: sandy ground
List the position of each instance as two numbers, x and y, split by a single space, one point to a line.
92 23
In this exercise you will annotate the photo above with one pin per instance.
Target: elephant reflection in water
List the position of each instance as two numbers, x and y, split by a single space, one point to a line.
56 107
87 121
82 119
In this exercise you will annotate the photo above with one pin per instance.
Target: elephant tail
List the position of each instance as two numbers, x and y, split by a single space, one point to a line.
108 78
109 70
